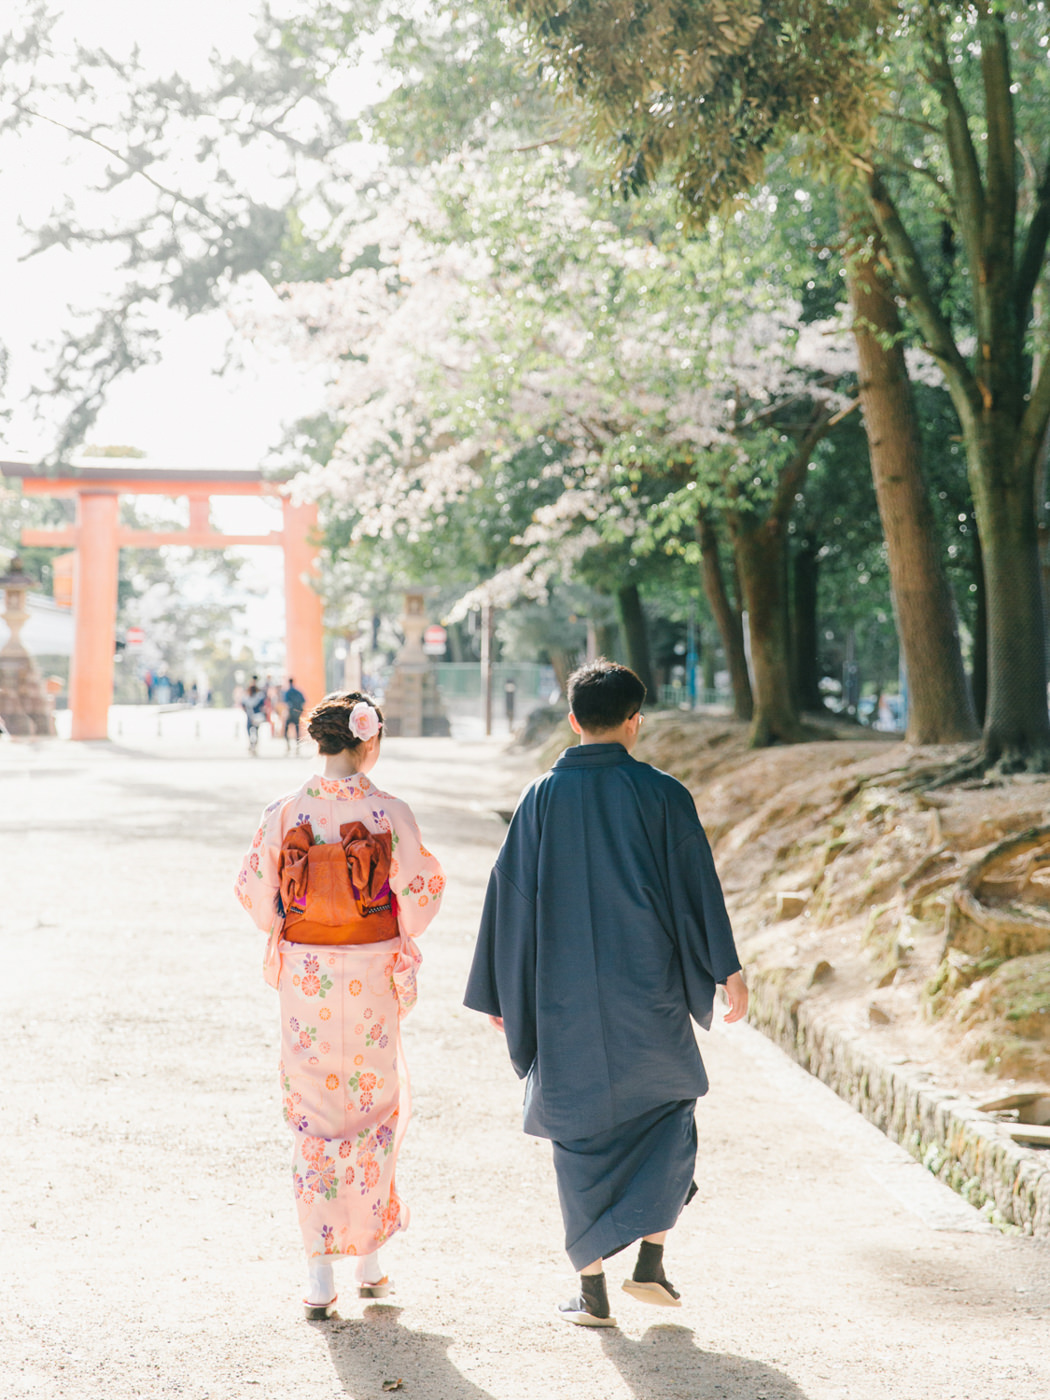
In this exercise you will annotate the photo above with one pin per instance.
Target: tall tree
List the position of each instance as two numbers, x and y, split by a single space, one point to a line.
968 62
726 611
940 707
760 545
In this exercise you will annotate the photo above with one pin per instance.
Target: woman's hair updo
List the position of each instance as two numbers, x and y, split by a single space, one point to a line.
328 723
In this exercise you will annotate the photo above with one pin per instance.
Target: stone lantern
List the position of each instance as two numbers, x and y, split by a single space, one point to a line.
412 704
25 706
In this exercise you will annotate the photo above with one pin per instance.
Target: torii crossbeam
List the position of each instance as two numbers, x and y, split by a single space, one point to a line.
97 538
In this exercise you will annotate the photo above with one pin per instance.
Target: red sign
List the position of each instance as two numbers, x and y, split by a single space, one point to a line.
134 636
435 639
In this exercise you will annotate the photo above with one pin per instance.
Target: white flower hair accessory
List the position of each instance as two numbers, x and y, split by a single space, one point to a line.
363 721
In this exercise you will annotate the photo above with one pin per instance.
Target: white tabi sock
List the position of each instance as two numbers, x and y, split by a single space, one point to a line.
368 1268
320 1286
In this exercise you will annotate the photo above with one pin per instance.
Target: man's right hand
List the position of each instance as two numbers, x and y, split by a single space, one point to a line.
736 994
497 1021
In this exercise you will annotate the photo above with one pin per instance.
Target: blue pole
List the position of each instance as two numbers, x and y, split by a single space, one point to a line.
690 655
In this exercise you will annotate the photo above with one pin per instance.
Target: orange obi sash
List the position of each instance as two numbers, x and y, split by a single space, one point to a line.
336 891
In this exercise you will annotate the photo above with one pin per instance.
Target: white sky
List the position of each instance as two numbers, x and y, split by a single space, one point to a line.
181 412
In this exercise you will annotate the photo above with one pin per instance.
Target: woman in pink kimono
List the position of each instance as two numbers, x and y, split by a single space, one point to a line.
338 875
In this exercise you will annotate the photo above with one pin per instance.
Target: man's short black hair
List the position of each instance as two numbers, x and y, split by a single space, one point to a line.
603 694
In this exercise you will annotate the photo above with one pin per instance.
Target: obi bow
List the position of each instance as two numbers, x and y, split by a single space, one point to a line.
367 859
292 867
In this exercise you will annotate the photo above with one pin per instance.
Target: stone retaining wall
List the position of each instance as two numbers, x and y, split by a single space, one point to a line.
963 1147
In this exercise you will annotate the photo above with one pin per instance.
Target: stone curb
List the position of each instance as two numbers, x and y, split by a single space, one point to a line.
959 1144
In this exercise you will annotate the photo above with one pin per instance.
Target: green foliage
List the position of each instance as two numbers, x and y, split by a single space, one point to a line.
707 90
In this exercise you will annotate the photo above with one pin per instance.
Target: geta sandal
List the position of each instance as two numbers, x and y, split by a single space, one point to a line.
662 1294
319 1312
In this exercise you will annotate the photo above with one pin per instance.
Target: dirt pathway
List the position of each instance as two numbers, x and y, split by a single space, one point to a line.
149 1239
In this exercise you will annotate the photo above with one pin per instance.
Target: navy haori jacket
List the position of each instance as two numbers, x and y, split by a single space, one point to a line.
604 929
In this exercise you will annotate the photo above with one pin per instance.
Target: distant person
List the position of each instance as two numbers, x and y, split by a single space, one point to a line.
270 708
147 681
178 691
195 695
339 863
295 703
253 704
604 929
509 693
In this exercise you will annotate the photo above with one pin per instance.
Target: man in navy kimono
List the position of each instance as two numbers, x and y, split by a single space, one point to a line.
604 930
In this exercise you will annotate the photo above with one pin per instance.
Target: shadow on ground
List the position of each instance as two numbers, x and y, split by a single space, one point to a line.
667 1364
664 1364
374 1348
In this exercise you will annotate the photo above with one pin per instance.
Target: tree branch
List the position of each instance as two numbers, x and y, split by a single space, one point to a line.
907 167
903 119
913 282
794 473
766 414
1032 435
966 170
1001 178
533 146
1034 250
843 413
124 159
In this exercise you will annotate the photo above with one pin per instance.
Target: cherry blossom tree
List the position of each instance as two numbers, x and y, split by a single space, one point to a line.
616 368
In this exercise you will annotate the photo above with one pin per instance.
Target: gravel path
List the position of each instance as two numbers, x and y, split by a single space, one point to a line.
149 1238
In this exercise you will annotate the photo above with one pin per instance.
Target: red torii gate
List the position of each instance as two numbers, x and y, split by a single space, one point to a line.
98 536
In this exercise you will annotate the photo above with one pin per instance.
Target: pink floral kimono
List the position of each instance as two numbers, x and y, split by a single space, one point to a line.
343 1077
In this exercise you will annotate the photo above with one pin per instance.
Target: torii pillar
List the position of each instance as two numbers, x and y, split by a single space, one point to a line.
304 628
94 612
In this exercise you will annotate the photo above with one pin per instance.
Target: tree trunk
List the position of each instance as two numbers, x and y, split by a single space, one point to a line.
940 708
456 648
805 651
707 660
760 553
636 636
727 618
607 637
1016 724
563 663
759 548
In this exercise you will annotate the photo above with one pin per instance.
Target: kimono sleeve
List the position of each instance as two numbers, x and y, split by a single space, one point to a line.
502 979
257 882
702 929
418 881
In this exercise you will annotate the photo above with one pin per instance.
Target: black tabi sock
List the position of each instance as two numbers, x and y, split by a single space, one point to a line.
595 1297
650 1266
